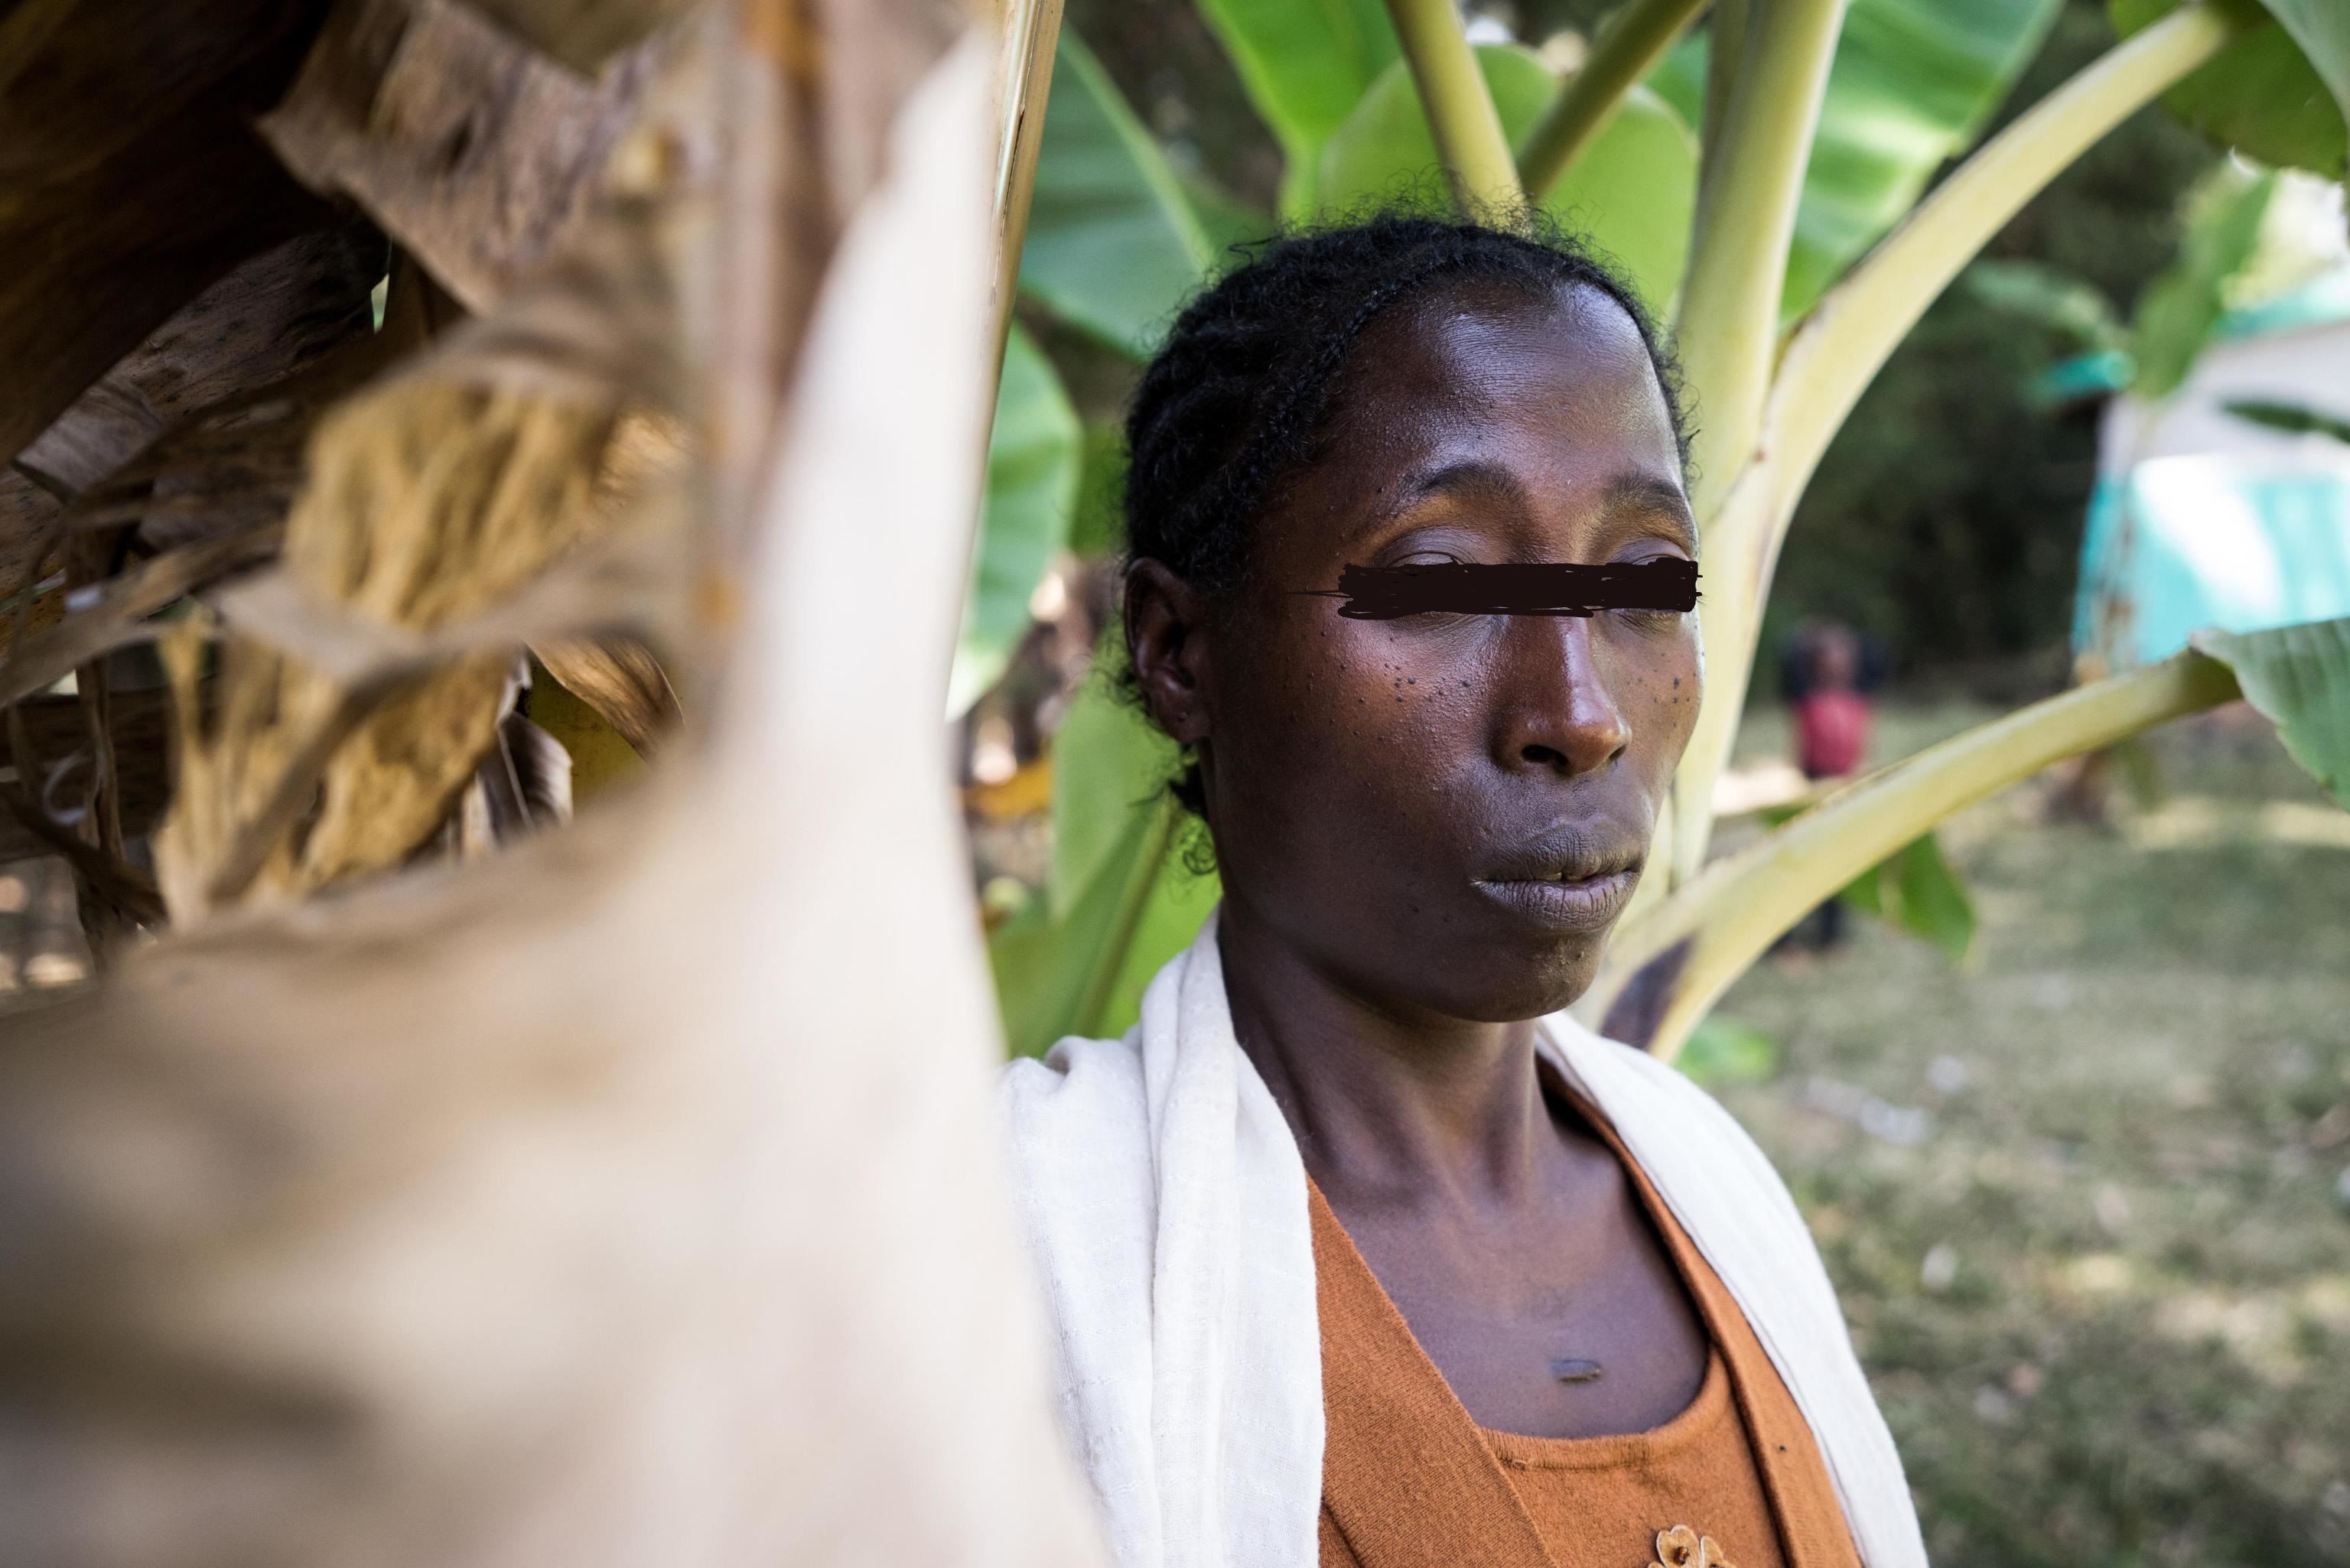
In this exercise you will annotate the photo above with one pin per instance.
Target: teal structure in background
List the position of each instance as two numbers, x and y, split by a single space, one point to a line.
2227 504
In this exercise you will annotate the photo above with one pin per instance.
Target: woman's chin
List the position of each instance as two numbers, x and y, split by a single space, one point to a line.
1537 984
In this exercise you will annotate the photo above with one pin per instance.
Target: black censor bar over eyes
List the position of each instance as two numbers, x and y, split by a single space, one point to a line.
1387 593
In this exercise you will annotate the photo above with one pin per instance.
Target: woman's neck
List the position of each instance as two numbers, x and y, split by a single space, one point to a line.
1391 1107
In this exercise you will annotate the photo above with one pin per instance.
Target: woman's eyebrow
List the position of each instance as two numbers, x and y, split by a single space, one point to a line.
1467 476
1630 496
1649 496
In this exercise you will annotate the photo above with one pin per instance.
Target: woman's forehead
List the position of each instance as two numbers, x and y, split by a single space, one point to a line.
1562 383
1464 338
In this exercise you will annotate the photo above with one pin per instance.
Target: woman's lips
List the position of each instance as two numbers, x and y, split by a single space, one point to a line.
1565 904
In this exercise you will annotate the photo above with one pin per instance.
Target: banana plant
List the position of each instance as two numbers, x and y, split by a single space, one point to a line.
1760 169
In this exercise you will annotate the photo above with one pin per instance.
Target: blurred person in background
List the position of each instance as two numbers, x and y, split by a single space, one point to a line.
1823 670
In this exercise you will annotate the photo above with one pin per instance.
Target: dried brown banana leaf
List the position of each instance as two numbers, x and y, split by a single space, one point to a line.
469 148
621 680
526 780
267 319
584 34
129 177
426 505
29 512
451 513
118 611
587 1205
55 730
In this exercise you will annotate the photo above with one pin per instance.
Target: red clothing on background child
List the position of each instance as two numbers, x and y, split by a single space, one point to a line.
1831 732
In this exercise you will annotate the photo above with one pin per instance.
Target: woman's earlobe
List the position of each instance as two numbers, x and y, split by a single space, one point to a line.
1165 639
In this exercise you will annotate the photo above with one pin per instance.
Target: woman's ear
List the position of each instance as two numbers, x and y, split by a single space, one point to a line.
1167 638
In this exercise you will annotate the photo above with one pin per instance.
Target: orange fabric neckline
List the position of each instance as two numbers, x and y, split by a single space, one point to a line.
1411 1481
1692 1423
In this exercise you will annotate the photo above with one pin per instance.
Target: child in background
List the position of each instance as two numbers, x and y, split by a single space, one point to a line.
1831 715
1831 741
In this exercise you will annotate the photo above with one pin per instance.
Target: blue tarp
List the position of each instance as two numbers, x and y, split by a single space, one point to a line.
2186 541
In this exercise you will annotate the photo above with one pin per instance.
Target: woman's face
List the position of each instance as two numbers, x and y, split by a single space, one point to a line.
1446 812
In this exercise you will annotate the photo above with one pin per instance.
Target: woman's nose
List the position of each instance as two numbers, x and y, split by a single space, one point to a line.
1556 711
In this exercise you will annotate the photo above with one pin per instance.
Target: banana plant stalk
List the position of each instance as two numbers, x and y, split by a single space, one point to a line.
1846 339
1460 111
1729 325
1626 50
1708 930
1766 400
1848 336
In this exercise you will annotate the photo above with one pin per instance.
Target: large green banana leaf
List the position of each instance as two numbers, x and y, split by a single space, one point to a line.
1914 889
2279 94
1304 63
1632 191
2299 676
1120 902
1912 85
1032 458
2182 307
1113 246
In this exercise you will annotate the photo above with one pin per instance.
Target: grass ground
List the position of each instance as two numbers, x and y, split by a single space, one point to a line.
2087 1196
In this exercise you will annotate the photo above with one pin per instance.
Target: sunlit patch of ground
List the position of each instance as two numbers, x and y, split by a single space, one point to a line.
2088 1196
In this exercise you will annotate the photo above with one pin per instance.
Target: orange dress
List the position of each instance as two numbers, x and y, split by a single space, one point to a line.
1410 1481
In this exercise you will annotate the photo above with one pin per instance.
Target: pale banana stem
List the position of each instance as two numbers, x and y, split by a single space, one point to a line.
1739 905
1724 49
1728 327
1728 616
1622 55
1844 343
1030 30
1461 112
1838 351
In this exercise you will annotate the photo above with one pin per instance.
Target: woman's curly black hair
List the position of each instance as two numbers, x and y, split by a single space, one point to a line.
1245 388
1232 403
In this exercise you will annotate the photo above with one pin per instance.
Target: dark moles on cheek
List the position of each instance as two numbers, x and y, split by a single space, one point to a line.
1441 812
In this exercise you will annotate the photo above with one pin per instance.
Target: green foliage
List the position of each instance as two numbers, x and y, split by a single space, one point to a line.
1916 890
1906 532
1633 191
1913 889
1111 766
2321 29
1113 245
1226 220
2294 419
2279 94
1052 975
1120 237
1912 85
1305 64
2180 311
1120 902
1723 1051
1031 483
1098 528
2298 678
2176 316
2057 300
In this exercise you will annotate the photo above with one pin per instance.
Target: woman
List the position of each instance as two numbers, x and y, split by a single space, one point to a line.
1358 1250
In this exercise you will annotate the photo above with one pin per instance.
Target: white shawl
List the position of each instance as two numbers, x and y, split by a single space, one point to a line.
1166 1206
